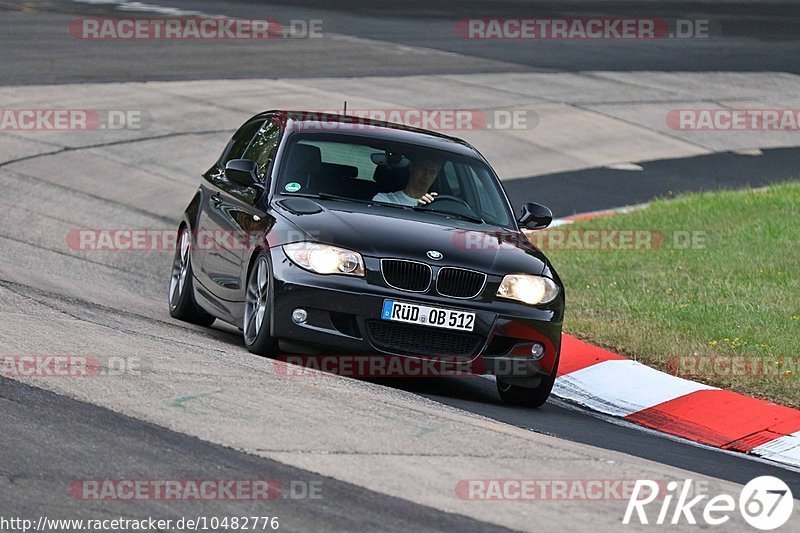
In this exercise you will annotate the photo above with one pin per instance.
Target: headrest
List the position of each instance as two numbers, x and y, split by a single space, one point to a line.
340 171
390 179
304 161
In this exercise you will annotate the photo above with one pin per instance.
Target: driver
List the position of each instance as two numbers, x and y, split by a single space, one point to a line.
423 172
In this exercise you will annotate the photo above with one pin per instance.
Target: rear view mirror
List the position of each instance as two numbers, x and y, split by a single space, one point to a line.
390 159
242 171
535 216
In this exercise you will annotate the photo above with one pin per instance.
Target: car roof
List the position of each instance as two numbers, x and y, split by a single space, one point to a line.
318 122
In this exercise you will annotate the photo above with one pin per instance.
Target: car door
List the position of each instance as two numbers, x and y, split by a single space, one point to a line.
231 219
206 252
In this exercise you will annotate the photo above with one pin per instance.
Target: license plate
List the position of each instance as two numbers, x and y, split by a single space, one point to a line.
427 316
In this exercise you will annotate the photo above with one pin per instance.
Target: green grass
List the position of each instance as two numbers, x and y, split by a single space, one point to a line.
738 294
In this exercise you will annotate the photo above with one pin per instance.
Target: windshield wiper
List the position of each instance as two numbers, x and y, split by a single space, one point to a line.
469 218
327 196
392 204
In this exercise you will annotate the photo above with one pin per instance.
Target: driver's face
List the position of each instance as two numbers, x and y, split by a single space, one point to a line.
425 172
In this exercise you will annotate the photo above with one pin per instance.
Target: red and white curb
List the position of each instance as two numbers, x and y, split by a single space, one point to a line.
594 214
614 385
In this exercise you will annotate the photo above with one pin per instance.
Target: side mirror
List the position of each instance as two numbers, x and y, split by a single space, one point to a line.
242 171
535 216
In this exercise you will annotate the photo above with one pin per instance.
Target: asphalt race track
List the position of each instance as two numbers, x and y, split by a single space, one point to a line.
761 36
120 443
387 455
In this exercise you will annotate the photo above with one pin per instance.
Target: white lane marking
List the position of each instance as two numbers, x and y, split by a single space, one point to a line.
126 5
622 387
752 152
783 449
625 166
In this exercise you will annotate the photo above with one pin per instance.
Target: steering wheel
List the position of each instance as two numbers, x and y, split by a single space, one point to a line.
449 198
458 205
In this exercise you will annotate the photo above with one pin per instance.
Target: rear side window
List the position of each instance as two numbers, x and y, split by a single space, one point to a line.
263 147
241 140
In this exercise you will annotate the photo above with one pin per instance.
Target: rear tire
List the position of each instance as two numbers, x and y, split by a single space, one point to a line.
524 396
181 288
258 309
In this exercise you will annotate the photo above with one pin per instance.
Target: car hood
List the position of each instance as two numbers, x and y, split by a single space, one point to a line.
389 232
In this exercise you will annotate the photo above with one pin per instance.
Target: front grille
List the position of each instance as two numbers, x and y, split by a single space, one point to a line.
459 283
407 339
406 275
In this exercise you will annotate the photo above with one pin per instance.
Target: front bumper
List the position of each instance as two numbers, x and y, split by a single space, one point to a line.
344 318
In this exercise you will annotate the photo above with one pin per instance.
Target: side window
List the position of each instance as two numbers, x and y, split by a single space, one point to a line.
486 201
241 139
263 147
451 178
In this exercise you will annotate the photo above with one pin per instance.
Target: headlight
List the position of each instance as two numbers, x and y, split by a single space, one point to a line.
532 290
325 259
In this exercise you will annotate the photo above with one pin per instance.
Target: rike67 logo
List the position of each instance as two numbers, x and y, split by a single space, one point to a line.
765 503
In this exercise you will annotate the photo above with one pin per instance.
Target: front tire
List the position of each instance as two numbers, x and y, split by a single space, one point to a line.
258 308
181 288
532 397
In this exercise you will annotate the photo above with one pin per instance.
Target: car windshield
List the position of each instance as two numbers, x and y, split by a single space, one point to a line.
369 169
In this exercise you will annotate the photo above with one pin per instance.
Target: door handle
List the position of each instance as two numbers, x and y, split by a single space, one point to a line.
217 199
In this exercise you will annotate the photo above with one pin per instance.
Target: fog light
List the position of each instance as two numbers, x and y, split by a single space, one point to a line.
299 316
537 351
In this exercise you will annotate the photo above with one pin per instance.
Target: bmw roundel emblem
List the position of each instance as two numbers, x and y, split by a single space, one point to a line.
435 255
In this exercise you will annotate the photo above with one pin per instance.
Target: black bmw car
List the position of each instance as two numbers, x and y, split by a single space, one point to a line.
330 234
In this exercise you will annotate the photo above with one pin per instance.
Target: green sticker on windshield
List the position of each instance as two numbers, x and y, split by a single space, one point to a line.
292 187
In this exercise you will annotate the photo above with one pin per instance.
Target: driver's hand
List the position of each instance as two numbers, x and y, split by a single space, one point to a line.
427 198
